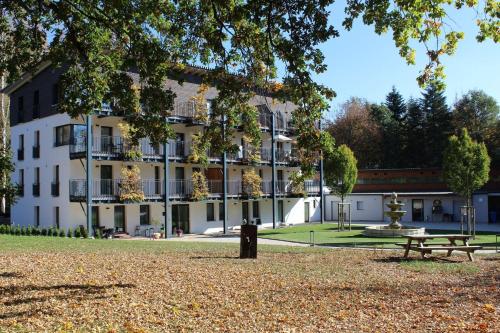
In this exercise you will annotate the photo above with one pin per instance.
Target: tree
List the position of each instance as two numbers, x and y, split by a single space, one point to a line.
8 191
415 135
99 41
466 165
479 113
356 128
437 127
341 171
4 140
396 104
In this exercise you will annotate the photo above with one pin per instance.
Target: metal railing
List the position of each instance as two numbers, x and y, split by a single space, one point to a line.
110 189
36 189
54 189
116 147
36 152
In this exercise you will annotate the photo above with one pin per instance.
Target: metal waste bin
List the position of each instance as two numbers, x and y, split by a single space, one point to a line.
248 241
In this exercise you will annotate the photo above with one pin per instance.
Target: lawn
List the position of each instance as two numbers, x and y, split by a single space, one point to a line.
327 234
68 285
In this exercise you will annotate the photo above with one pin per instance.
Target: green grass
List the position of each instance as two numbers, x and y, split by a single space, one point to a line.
327 234
9 243
430 266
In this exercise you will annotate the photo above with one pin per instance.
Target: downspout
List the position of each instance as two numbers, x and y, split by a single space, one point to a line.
89 174
166 169
224 178
321 201
273 167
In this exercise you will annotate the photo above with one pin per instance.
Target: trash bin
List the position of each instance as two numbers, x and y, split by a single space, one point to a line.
248 241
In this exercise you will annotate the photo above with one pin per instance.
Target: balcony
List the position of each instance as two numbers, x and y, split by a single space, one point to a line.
116 148
109 190
36 151
54 189
20 154
36 189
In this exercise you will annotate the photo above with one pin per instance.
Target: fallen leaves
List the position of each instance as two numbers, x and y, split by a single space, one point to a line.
209 291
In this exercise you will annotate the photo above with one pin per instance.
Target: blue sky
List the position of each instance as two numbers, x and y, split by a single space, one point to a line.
364 64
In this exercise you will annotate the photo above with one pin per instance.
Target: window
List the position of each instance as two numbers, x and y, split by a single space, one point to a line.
21 142
55 94
144 214
255 210
36 183
221 211
360 205
21 182
62 135
36 145
20 109
55 182
37 175
20 149
37 216
210 212
56 216
36 102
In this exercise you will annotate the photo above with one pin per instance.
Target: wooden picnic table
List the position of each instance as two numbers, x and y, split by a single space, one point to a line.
423 248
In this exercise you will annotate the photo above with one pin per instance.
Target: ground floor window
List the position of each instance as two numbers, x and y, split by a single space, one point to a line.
144 215
210 212
37 216
360 205
56 216
255 210
95 217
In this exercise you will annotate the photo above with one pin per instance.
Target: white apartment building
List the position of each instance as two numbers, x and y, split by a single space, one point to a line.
50 155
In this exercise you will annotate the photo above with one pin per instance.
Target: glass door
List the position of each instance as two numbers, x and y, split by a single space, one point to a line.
106 139
417 210
179 181
106 180
180 218
306 212
120 218
280 211
95 217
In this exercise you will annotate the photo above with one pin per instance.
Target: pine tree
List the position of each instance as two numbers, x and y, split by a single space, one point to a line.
396 104
415 135
437 127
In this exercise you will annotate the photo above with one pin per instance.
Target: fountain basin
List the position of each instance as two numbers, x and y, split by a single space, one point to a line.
385 231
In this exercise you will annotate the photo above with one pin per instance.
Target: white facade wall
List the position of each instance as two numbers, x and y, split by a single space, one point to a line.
73 214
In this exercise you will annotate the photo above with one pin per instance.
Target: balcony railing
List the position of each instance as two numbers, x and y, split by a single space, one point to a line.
110 189
36 151
54 189
20 154
36 189
115 147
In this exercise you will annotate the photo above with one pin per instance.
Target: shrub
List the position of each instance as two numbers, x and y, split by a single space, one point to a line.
98 233
49 232
77 233
44 232
12 230
61 233
55 232
2 229
28 231
23 231
36 231
84 232
69 234
18 230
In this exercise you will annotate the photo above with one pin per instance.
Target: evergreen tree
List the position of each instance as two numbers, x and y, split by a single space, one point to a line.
415 135
396 104
437 126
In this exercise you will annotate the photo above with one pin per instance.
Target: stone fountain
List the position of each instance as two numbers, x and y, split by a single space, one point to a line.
394 229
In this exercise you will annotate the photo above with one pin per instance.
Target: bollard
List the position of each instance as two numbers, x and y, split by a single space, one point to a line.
311 237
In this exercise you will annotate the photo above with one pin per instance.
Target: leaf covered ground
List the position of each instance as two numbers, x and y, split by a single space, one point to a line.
60 285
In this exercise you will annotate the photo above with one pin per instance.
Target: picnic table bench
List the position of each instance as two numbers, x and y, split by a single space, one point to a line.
450 246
